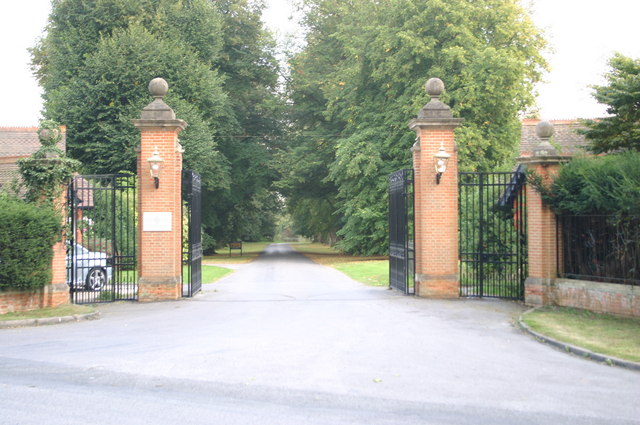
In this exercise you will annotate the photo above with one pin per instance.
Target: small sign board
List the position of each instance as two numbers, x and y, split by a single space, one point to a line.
156 222
235 245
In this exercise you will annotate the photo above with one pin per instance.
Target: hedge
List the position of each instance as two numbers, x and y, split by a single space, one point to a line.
27 235
607 185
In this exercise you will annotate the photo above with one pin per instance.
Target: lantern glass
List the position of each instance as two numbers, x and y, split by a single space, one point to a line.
440 161
155 165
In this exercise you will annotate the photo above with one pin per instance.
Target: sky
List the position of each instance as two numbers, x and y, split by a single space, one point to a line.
583 34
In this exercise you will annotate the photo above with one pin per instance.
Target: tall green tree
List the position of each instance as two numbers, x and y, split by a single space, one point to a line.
96 60
360 79
304 164
621 130
249 205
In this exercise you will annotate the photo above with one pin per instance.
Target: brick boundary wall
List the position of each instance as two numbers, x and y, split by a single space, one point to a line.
52 295
542 286
623 300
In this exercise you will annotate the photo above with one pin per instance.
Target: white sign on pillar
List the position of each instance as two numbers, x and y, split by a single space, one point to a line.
156 222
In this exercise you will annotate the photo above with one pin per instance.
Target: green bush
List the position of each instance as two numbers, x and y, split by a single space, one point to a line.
47 169
607 185
26 239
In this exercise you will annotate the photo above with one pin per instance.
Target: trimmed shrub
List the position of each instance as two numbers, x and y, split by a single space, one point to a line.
607 185
27 235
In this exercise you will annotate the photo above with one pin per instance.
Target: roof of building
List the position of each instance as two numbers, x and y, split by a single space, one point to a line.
23 141
16 143
565 138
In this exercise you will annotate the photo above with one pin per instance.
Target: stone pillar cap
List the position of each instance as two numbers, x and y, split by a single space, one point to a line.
158 110
435 108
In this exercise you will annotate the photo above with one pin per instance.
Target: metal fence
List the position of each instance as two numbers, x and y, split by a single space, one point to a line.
599 248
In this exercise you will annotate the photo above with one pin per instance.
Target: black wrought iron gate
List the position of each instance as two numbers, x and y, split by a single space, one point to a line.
191 233
401 234
493 234
101 238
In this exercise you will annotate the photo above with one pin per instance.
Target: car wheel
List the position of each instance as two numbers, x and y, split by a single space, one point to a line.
96 279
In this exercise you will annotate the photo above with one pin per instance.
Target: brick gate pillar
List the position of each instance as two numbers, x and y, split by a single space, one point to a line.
159 199
541 221
436 198
57 293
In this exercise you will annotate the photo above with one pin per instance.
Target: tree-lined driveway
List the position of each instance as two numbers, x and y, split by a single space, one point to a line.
287 341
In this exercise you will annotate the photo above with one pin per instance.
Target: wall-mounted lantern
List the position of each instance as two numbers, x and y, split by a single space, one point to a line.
155 166
440 161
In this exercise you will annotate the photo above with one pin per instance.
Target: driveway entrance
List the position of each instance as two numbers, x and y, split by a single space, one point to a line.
286 341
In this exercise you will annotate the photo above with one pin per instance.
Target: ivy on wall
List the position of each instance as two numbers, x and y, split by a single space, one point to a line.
32 225
46 171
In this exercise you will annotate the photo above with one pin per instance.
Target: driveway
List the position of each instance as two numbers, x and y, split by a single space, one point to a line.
286 341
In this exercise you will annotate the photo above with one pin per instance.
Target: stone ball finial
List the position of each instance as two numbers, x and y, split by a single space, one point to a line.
434 87
544 130
158 110
49 133
158 87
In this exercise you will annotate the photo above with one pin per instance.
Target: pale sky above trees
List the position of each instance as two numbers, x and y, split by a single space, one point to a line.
583 33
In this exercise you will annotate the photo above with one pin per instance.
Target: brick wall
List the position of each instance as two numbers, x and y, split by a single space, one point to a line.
600 297
542 287
52 295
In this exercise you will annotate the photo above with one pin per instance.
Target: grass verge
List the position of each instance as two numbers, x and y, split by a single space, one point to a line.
250 251
601 333
373 271
211 274
65 310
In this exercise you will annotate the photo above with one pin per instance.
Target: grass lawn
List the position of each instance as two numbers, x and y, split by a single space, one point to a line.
601 333
210 274
65 310
250 251
373 271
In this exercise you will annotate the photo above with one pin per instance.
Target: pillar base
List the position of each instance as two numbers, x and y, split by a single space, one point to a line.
538 291
151 289
440 287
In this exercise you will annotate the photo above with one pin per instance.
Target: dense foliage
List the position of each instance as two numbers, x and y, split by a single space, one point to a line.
621 130
46 171
607 185
351 91
360 79
28 233
94 65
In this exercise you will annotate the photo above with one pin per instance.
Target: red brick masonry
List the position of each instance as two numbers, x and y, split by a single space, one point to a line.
600 297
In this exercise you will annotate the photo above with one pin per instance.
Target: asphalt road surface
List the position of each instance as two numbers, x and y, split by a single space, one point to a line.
285 341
